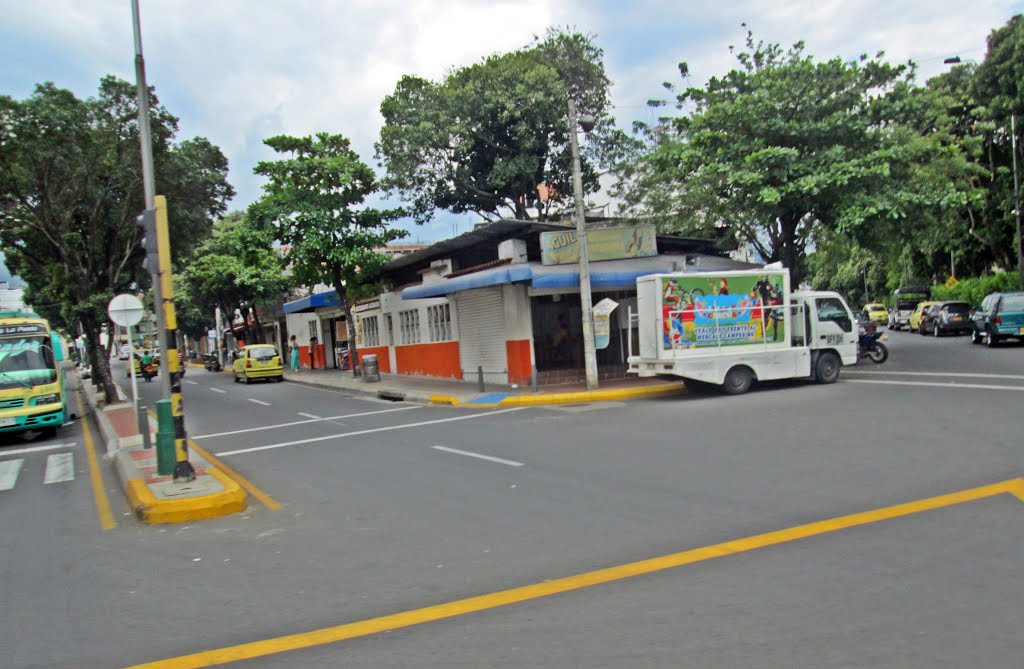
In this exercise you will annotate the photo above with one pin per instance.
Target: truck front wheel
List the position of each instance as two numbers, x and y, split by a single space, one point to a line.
826 369
738 381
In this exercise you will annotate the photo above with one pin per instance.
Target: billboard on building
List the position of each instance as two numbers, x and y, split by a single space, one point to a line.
561 247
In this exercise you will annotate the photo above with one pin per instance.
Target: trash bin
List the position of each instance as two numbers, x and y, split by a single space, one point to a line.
371 372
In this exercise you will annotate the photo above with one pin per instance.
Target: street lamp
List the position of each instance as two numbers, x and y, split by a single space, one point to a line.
586 301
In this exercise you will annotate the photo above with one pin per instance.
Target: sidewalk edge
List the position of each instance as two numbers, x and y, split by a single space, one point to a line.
149 509
542 399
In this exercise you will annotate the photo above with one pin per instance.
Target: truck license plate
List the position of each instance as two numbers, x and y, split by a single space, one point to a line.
7 422
1022 331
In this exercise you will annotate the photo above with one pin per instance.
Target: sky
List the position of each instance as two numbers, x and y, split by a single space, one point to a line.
239 71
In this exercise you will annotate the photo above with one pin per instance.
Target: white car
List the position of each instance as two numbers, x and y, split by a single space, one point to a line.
123 353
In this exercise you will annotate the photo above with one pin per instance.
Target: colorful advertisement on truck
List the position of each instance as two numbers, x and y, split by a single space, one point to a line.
31 380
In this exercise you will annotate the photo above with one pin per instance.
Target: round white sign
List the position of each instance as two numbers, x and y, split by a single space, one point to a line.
125 310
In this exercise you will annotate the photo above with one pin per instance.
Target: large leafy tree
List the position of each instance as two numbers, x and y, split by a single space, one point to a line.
235 269
313 203
71 188
487 136
783 145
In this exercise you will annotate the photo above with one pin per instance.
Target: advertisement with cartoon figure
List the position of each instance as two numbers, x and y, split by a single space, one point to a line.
721 310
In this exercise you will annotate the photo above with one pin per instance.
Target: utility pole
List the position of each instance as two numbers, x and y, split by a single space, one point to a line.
1016 196
172 449
586 300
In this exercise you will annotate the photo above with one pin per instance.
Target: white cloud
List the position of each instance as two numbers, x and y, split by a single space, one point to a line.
238 71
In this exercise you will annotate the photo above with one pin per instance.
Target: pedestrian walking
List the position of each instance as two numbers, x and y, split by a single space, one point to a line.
312 352
293 351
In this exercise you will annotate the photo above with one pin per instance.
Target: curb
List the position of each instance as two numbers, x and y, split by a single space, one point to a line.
149 509
568 398
144 504
379 393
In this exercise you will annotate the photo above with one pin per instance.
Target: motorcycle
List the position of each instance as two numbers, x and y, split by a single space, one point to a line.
868 342
211 363
148 372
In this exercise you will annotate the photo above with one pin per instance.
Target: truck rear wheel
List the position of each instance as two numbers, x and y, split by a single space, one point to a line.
738 381
826 369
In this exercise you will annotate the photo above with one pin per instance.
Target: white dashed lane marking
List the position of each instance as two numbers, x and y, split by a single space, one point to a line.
9 470
260 402
480 456
218 390
60 467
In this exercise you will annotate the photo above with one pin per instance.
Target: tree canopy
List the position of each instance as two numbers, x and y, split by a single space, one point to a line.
784 145
70 191
487 136
313 203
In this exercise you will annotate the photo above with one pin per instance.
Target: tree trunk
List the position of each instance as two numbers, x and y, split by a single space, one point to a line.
258 327
353 350
790 252
102 378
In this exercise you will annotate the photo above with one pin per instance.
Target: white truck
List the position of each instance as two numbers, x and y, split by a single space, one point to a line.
732 328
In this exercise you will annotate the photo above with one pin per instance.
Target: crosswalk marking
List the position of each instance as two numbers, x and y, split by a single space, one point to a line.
4 452
60 467
9 470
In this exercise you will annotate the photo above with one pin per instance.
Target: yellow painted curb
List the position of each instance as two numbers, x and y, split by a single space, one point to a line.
567 398
149 509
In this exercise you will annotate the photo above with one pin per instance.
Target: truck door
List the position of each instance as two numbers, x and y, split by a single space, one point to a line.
831 323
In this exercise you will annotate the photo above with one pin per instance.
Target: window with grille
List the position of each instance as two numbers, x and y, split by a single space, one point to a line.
409 326
439 322
371 333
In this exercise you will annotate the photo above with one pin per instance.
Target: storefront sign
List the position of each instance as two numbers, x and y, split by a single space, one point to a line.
366 306
560 248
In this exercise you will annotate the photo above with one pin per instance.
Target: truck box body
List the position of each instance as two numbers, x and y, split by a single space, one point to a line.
700 325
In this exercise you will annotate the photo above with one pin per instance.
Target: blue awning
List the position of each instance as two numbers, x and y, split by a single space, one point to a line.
605 274
311 302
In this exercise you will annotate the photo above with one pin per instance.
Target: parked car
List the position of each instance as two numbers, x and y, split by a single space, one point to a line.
914 323
124 351
877 313
945 317
257 361
1000 316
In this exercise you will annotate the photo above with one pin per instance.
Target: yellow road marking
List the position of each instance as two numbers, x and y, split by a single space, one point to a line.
246 484
95 475
327 635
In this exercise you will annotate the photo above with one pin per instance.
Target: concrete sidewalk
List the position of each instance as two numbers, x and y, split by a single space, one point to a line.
452 392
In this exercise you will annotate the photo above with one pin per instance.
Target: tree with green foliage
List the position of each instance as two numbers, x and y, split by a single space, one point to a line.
487 136
236 269
313 203
784 145
71 189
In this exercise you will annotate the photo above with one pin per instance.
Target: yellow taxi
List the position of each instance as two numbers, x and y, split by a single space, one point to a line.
877 313
914 324
257 361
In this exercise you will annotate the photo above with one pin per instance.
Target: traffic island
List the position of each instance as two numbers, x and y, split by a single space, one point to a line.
160 499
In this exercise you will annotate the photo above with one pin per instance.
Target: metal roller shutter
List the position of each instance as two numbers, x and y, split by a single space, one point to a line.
482 334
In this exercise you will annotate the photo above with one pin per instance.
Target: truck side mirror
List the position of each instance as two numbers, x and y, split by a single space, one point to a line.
57 346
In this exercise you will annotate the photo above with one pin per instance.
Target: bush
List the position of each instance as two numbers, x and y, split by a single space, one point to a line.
973 291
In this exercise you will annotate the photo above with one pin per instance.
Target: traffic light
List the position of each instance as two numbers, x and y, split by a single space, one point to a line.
147 220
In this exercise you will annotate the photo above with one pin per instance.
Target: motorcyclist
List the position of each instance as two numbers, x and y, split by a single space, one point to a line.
146 363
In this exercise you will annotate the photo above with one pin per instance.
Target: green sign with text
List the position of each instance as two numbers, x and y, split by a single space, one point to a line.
560 248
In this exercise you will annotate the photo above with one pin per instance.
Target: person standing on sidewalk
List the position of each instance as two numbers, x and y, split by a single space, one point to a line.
293 351
312 352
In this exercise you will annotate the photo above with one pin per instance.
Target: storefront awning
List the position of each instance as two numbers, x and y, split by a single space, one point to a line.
608 274
311 302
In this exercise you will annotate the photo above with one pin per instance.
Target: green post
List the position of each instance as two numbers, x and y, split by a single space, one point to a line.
165 455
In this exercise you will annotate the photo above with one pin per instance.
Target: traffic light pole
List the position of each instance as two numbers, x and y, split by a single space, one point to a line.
172 449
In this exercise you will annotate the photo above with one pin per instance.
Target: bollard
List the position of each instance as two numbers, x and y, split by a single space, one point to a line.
143 418
533 378
165 455
480 377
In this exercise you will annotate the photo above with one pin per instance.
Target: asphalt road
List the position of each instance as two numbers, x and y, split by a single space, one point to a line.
392 508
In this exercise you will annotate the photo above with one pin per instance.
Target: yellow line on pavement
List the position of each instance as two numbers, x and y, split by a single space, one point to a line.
473 604
246 484
95 475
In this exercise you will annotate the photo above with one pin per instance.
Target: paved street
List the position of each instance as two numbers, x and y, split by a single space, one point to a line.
391 507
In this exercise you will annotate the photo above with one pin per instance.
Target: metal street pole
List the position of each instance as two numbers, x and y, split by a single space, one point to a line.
149 188
1016 196
586 300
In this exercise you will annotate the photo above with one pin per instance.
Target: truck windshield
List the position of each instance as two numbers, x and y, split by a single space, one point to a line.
26 362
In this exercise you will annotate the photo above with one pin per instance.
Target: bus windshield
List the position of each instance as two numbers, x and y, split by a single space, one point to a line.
26 362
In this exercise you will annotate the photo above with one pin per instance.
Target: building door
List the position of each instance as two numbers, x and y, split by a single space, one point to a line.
482 334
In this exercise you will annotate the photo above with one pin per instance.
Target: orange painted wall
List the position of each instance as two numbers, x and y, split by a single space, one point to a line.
440 359
520 369
304 356
383 359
